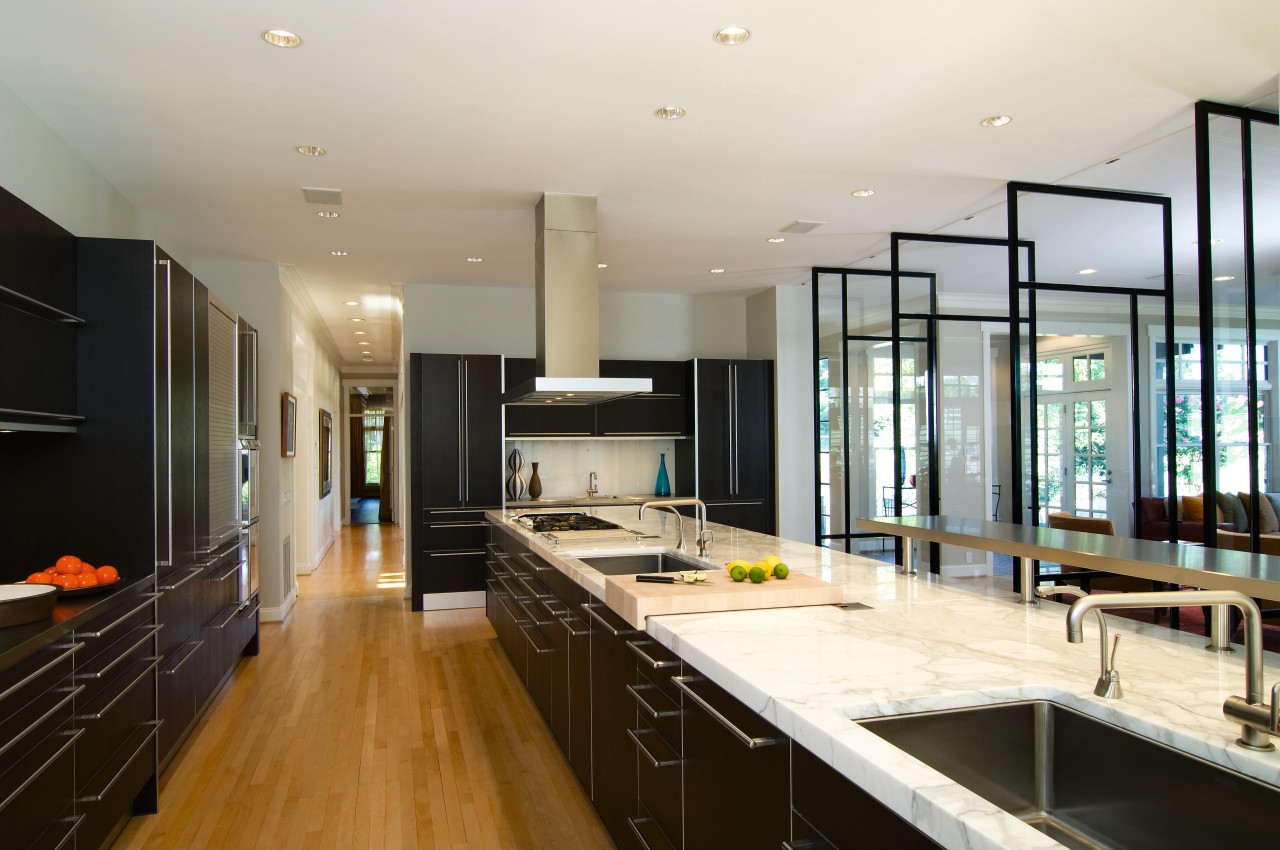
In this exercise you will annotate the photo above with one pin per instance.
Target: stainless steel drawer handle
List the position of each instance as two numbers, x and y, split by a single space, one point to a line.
149 597
750 742
195 646
35 774
635 690
454 524
97 798
538 645
603 622
572 623
516 616
227 615
642 433
154 660
151 632
71 831
192 572
804 844
654 760
455 554
70 651
62 703
235 568
649 659
548 433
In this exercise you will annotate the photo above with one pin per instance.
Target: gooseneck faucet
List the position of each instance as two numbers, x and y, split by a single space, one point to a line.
1108 685
704 537
1257 719
592 489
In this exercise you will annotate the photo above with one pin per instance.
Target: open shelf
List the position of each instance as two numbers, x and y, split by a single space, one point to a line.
39 309
35 420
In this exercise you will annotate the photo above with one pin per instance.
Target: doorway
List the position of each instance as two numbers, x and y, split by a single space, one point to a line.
372 439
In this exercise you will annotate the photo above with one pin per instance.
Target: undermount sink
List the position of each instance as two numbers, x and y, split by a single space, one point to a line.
1083 782
647 562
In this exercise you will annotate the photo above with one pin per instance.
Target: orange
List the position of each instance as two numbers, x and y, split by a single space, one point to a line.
87 579
64 580
106 575
68 564
39 578
50 570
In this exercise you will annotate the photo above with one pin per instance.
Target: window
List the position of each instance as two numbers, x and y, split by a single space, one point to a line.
374 425
824 444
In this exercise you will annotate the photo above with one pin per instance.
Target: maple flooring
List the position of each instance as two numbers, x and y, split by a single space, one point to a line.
364 725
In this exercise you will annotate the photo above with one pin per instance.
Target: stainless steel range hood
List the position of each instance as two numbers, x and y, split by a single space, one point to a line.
568 310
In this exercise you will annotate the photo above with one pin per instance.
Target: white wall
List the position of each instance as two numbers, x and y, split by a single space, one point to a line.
779 328
645 326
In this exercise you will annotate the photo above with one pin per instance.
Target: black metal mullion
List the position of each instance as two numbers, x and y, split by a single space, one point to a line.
817 411
1033 403
844 398
1015 351
1135 404
1251 333
895 330
1208 347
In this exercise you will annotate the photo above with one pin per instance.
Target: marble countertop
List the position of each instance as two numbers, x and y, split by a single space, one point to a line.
927 644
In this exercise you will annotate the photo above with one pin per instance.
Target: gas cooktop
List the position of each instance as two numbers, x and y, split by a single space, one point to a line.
566 522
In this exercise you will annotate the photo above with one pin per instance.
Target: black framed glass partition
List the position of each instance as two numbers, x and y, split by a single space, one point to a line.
1238 224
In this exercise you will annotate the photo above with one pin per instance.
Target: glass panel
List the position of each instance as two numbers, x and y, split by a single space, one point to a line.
830 378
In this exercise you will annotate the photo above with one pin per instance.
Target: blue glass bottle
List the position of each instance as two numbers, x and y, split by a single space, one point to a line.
663 487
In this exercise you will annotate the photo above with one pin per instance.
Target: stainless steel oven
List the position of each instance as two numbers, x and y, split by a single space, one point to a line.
249 454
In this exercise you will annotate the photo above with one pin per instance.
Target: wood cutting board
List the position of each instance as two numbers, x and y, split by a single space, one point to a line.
635 600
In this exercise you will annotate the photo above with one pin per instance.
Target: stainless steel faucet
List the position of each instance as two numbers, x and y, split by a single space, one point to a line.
704 537
592 489
1108 685
1257 720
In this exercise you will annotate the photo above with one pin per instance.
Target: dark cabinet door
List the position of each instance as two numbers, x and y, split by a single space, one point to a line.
715 430
752 754
640 416
752 388
437 431
482 437
613 712
449 572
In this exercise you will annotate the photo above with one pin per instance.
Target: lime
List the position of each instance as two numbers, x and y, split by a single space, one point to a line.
766 566
757 574
737 572
780 570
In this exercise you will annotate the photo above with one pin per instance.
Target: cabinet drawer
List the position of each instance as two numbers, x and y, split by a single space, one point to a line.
113 717
453 535
105 636
452 515
450 572
106 801
659 786
34 790
832 811
31 680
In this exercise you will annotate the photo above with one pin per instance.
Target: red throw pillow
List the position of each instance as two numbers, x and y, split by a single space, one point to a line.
1192 509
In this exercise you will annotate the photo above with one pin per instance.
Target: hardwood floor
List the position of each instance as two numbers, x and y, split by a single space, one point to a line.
364 725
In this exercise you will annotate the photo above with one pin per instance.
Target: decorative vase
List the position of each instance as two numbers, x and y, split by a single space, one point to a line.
515 482
663 487
535 483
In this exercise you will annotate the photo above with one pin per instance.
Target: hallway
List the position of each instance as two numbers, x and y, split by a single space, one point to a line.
364 725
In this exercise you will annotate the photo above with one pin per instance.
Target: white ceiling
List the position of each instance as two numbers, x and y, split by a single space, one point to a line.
445 121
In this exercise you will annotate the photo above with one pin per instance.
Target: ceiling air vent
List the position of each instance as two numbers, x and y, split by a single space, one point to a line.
322 196
802 226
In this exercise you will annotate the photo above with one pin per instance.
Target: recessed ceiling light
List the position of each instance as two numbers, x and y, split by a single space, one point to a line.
364 342
282 38
996 121
328 214
1225 277
352 303
602 265
475 259
670 113
356 319
863 193
775 240
310 150
732 35
716 271
359 333
338 253
1087 271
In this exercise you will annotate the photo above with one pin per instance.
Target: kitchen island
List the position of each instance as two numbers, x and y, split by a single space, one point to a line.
923 644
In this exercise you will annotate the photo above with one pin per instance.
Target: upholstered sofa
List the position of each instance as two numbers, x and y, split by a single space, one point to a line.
1231 511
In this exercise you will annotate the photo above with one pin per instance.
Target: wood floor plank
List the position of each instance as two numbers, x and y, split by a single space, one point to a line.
365 725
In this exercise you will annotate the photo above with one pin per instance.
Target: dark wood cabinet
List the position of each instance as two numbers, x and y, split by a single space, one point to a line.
733 453
660 413
455 459
833 813
613 716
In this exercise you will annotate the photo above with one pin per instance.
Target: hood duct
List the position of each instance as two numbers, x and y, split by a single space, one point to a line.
568 310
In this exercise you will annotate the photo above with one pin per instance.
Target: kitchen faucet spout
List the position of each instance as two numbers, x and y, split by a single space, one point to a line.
704 537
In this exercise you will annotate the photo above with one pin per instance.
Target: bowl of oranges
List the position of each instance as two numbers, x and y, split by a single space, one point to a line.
76 577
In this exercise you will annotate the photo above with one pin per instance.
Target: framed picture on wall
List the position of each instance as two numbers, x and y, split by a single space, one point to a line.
288 425
326 453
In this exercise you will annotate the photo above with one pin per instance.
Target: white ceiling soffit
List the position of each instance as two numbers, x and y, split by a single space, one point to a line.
441 158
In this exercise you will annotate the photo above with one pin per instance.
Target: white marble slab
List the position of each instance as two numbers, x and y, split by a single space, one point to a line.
923 645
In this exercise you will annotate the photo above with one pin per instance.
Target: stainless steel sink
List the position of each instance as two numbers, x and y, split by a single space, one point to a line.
648 562
1083 782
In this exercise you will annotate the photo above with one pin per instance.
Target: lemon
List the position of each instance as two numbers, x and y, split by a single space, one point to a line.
746 565
737 572
757 574
780 570
773 560
766 567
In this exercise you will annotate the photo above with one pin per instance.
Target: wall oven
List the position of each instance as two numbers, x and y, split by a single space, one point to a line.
249 455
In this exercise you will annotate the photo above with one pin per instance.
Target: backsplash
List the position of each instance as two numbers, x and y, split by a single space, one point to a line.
622 467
